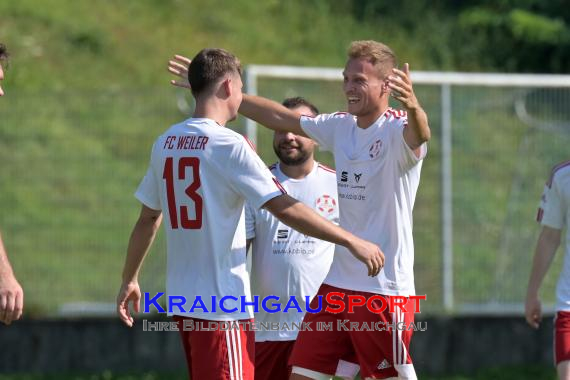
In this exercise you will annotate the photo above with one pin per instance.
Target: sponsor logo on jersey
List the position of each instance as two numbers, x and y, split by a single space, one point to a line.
282 234
357 177
326 205
344 176
384 364
375 148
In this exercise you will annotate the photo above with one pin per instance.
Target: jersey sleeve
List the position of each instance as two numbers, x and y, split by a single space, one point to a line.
550 212
250 177
407 158
322 128
148 192
249 221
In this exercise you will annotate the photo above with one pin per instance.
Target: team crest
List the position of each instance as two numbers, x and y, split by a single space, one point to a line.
375 148
326 205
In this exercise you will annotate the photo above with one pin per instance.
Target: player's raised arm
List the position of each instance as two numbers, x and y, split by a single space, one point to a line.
269 113
300 217
402 89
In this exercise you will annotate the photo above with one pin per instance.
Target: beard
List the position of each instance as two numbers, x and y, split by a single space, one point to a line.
292 160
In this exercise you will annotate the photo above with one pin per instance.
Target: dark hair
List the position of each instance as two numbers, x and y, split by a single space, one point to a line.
300 101
3 52
210 65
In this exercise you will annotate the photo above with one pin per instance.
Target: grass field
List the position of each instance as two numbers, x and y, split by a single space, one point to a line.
518 373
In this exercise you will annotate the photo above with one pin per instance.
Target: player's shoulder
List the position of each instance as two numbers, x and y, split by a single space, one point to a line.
325 170
339 117
560 170
224 137
394 114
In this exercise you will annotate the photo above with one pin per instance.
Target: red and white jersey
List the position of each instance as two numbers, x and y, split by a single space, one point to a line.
286 262
200 175
377 177
554 212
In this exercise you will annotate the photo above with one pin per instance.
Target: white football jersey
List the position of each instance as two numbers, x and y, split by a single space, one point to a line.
377 177
199 176
286 262
554 212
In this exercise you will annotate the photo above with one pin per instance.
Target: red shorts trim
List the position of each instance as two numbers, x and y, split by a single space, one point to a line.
271 360
380 353
220 354
561 337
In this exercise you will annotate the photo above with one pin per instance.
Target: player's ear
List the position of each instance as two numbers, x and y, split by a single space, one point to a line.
227 86
385 86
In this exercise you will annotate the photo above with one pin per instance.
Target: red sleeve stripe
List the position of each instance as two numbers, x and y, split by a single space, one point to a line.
250 144
539 215
324 167
554 170
279 186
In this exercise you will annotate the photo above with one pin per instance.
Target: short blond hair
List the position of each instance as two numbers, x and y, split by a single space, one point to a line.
377 53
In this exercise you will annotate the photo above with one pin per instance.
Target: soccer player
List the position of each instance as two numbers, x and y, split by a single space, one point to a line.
11 293
378 157
287 263
199 175
553 215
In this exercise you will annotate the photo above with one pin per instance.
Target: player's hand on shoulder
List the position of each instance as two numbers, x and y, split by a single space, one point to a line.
130 292
370 254
401 87
178 66
11 299
533 312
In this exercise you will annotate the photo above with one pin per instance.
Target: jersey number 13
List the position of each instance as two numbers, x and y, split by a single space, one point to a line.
190 191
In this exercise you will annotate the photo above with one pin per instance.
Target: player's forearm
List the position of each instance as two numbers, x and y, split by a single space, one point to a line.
5 267
301 218
418 131
544 254
270 114
140 241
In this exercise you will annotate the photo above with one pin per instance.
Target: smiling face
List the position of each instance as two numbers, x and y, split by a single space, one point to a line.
293 149
364 88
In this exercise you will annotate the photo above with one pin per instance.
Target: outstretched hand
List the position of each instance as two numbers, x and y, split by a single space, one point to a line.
179 67
533 312
370 254
401 87
11 299
130 293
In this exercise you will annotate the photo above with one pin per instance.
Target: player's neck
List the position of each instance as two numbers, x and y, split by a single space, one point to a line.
365 121
298 171
209 110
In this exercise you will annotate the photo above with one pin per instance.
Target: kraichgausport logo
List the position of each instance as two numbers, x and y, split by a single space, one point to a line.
337 302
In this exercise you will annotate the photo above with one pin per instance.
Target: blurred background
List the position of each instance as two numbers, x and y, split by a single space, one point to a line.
87 92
